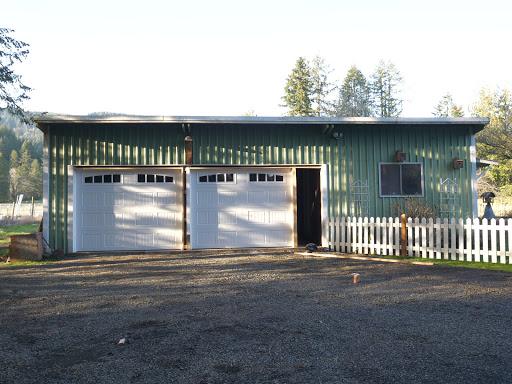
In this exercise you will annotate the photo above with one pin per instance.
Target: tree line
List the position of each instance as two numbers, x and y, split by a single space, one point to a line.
310 92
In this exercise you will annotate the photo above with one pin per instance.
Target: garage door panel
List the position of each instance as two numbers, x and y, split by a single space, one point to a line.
142 210
242 214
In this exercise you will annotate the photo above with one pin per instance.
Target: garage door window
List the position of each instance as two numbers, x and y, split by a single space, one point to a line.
101 179
150 178
266 177
217 178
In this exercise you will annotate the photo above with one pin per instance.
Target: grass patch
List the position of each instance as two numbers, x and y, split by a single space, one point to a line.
456 263
46 260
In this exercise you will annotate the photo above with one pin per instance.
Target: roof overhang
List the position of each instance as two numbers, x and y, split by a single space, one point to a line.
44 120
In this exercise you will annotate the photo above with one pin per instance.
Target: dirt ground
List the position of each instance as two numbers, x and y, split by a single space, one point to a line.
252 316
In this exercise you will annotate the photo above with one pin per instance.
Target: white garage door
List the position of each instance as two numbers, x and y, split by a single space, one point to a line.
138 209
241 208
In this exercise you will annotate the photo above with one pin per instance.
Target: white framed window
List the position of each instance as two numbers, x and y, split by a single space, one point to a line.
401 179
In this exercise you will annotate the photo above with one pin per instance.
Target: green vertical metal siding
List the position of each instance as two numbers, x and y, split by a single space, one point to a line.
435 147
103 144
355 156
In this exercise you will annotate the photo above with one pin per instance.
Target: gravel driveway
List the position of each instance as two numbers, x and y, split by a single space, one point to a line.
252 316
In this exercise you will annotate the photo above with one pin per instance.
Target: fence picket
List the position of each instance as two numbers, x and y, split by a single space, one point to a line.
431 238
476 231
348 234
509 230
460 238
445 240
502 244
365 239
493 253
378 236
452 230
397 227
423 248
342 234
384 240
469 240
409 237
416 237
485 240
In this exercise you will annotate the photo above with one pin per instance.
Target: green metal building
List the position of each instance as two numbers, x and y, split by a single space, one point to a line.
143 183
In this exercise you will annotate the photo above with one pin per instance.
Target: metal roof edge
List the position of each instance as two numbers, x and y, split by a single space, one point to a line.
73 119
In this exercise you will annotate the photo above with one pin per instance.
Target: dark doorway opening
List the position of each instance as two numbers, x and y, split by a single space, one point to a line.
309 228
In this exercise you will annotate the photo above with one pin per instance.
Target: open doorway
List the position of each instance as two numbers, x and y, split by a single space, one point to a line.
309 228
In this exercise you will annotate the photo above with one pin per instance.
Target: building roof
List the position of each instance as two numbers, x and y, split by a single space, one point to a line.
44 120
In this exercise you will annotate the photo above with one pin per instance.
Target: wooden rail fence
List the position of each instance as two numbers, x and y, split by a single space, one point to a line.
449 239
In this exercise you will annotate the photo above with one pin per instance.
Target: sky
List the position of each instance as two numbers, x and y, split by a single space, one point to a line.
229 57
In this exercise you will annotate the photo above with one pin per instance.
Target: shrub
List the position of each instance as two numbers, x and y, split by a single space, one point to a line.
414 207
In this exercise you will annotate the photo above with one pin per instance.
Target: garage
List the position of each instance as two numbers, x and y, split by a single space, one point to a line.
234 207
127 209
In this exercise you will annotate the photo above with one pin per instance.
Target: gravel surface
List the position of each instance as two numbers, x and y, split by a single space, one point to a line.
252 316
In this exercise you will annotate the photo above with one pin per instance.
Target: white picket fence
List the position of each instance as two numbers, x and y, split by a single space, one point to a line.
454 239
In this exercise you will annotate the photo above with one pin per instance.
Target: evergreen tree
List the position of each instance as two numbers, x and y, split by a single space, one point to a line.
354 98
299 89
447 108
322 87
23 170
14 159
12 91
8 141
4 179
35 188
386 84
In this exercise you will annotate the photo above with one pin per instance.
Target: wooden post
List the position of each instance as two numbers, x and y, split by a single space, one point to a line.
32 210
13 207
404 236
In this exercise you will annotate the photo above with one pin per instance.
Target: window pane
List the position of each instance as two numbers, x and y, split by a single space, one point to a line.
411 179
390 179
107 178
88 180
220 177
151 178
229 177
98 179
252 177
202 179
159 179
170 179
117 178
141 178
261 176
270 177
212 178
279 178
